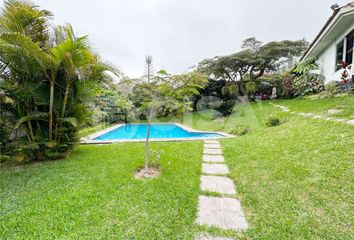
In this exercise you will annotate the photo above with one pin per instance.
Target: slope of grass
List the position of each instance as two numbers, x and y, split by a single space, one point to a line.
252 115
321 106
295 180
93 195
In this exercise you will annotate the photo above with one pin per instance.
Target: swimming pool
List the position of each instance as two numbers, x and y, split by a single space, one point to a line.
158 131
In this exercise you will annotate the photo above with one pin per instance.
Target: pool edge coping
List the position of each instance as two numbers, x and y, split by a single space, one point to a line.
90 138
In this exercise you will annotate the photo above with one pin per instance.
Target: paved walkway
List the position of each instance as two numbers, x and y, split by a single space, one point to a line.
223 212
315 116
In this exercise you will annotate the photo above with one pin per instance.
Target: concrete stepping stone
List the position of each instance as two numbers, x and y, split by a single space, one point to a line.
210 168
209 237
212 145
334 111
225 213
213 158
218 184
212 151
338 120
351 122
211 141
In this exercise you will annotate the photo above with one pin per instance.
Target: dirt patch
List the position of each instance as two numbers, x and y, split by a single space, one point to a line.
151 172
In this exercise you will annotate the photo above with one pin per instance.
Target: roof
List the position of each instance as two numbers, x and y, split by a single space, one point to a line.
331 19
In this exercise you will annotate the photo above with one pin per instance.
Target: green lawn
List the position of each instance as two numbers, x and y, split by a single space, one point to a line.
321 106
295 181
93 195
253 115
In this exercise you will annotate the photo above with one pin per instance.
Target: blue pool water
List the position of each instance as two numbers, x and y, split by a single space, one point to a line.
138 132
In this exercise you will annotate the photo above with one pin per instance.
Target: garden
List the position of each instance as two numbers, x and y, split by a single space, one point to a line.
286 137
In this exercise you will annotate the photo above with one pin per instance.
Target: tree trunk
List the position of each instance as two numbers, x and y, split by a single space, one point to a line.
63 108
65 100
37 123
147 142
241 85
30 129
51 103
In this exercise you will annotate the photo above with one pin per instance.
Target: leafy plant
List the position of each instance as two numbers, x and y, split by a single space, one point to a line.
332 88
226 107
306 81
230 90
272 122
240 130
155 157
345 82
250 87
288 85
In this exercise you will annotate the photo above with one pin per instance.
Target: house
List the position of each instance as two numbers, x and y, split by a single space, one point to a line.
334 43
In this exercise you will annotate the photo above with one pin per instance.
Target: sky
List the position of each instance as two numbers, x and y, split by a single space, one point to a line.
180 33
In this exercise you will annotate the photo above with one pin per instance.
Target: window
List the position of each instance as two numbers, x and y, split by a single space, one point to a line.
349 48
339 57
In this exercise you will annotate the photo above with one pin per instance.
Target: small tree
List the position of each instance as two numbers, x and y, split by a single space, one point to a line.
169 90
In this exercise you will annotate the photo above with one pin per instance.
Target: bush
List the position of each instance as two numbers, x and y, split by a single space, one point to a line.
273 121
227 107
239 130
306 81
287 86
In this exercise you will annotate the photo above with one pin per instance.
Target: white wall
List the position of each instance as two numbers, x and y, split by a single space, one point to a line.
327 59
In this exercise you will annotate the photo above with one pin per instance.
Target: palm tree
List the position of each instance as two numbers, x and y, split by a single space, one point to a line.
34 59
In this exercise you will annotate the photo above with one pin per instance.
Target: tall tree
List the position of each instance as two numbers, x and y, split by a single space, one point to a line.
253 61
270 56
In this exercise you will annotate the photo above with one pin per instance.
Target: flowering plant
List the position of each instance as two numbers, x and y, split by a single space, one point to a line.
345 73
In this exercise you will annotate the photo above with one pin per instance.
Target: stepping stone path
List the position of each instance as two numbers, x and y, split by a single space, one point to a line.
312 115
214 168
212 151
351 122
217 184
208 237
212 145
213 158
223 212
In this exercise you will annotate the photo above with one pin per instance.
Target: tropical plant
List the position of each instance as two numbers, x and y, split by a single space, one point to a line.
47 77
307 80
110 106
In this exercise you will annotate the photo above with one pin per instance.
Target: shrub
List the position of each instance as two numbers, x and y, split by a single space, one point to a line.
306 81
227 107
231 90
273 121
333 88
288 86
250 87
239 130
